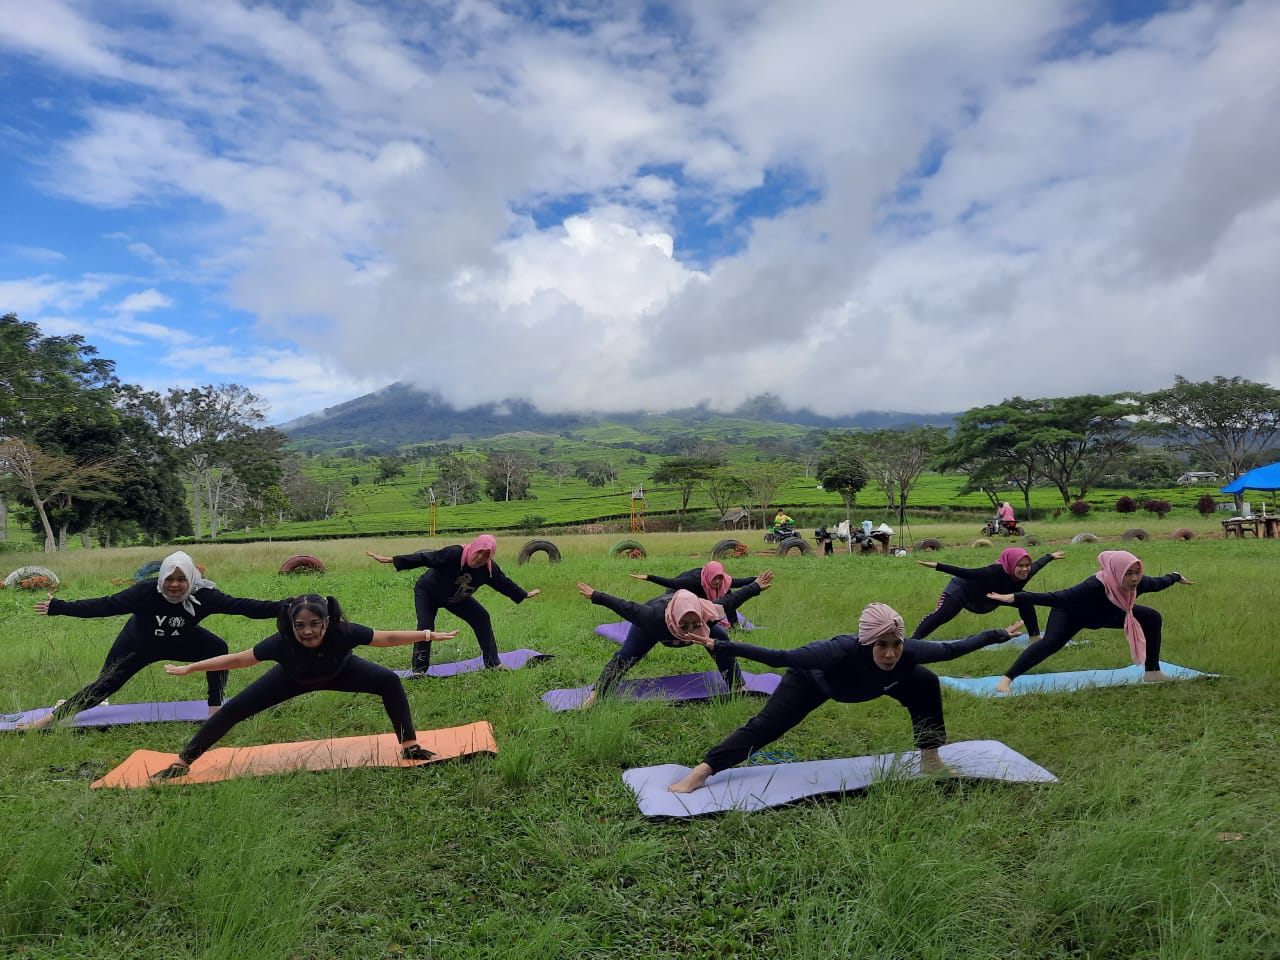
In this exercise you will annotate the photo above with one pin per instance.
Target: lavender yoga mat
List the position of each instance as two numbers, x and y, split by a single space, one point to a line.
689 686
755 788
512 661
617 632
119 713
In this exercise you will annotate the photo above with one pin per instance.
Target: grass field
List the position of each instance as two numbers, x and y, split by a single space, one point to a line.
1160 841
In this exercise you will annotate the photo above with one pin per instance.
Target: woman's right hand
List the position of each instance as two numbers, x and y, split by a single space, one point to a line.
639 576
177 669
377 556
42 606
586 590
1001 597
931 564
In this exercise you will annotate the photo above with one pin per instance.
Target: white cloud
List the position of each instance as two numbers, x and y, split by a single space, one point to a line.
591 217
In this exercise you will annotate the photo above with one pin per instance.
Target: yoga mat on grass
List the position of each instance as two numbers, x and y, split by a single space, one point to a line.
512 661
617 632
759 787
689 686
118 714
381 750
1066 682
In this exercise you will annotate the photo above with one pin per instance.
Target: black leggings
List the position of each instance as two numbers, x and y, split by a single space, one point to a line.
950 605
639 642
132 651
276 686
1062 627
797 696
469 612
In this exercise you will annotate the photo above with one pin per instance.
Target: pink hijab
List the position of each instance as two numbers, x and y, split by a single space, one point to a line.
878 620
1009 558
709 573
486 541
685 601
1114 564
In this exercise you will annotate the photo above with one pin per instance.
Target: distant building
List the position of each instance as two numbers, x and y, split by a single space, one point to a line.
1198 476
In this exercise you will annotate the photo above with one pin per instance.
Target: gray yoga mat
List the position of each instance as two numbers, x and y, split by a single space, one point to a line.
689 686
759 787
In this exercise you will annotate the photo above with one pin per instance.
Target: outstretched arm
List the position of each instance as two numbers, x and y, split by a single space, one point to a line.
377 556
398 638
228 661
935 651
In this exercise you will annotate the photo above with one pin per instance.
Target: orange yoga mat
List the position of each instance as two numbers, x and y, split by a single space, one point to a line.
223 763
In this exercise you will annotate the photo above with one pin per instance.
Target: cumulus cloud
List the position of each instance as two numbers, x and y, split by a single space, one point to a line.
925 206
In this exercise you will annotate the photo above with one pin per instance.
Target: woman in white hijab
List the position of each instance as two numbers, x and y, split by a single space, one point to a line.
163 626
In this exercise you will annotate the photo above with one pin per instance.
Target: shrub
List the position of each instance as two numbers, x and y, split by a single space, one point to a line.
1126 504
1080 507
1158 507
1207 505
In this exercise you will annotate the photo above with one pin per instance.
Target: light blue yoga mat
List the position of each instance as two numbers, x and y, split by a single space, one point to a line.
1066 682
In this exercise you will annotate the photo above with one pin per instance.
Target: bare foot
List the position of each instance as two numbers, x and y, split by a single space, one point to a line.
589 702
172 772
931 763
695 779
43 723
214 709
1004 685
1155 676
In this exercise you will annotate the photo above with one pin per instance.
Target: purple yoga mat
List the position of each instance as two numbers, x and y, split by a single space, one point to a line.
689 686
119 713
512 661
617 632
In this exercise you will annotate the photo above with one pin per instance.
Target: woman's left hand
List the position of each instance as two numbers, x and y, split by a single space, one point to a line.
177 669
1014 629
586 590
1001 597
1182 579
1059 554
531 594
765 579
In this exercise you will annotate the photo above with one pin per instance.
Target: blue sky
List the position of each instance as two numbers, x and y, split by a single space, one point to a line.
853 205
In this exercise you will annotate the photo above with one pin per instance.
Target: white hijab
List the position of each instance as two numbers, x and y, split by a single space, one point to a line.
180 561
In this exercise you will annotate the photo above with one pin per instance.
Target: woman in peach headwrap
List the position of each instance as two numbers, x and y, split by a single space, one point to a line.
876 662
1105 600
453 575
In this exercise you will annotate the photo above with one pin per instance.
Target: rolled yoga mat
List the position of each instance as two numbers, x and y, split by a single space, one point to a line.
224 763
759 787
689 686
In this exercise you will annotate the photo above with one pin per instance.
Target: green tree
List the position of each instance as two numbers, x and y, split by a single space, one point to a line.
896 458
507 476
456 480
1225 422
763 479
684 473
841 468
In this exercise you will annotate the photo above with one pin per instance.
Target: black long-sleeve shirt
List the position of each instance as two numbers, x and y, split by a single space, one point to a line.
1087 602
154 616
974 583
691 580
651 616
448 581
844 669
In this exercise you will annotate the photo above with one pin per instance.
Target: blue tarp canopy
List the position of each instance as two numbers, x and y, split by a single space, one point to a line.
1260 478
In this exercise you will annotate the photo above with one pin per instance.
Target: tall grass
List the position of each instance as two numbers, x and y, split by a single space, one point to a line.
1159 841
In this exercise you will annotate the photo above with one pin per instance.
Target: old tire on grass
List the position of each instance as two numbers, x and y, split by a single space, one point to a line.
30 573
1182 533
302 563
1030 540
794 543
981 542
1135 533
148 570
538 546
1084 538
628 548
725 547
928 543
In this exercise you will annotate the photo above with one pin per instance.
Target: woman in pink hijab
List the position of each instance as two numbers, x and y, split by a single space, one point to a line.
1105 600
710 582
969 587
453 575
876 662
